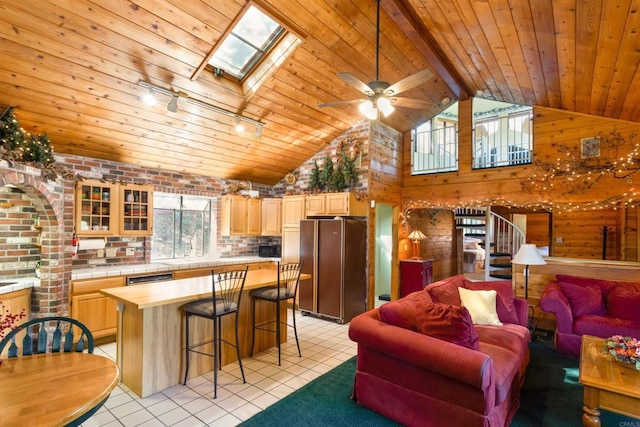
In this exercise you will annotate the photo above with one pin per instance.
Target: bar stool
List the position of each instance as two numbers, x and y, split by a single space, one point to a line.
286 289
227 290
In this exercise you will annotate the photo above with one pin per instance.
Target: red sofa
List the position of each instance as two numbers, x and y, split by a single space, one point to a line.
413 369
586 306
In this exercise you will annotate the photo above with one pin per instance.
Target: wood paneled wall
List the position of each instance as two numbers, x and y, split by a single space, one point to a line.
580 234
440 244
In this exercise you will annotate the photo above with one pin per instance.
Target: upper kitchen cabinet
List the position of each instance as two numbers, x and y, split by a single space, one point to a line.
271 217
104 209
240 216
293 210
96 208
136 210
335 204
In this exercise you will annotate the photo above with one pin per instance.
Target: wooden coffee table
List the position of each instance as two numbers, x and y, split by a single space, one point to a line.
607 384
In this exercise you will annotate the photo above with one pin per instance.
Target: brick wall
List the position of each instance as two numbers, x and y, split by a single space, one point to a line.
19 240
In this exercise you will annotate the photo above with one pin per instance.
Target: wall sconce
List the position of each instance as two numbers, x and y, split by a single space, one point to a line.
173 106
416 235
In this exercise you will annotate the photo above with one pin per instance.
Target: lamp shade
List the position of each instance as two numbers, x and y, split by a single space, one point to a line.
528 255
417 235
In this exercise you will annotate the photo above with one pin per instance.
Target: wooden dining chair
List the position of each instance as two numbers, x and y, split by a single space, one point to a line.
226 298
285 290
52 334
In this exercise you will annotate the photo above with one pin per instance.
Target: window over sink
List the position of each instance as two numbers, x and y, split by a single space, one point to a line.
183 227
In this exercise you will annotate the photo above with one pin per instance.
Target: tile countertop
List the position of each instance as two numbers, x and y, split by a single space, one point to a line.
160 266
18 284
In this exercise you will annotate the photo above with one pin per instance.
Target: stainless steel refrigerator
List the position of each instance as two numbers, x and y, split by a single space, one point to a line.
334 252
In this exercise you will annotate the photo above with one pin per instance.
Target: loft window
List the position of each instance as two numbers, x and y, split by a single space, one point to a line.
249 40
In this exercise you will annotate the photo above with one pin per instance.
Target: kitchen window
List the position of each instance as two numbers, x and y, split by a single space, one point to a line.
182 227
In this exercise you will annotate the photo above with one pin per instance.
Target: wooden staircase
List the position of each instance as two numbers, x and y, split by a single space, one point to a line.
500 238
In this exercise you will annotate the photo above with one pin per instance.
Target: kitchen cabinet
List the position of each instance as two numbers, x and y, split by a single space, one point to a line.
95 207
104 209
240 216
335 204
136 210
15 302
293 211
271 217
415 274
93 309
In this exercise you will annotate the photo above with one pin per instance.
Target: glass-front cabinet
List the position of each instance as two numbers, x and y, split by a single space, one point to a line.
108 209
137 210
95 212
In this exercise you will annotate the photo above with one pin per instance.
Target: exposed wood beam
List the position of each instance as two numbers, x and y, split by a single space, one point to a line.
414 28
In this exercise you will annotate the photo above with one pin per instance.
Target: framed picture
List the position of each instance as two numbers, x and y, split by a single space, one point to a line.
590 147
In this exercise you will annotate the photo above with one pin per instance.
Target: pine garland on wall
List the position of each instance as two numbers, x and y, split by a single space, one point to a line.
17 145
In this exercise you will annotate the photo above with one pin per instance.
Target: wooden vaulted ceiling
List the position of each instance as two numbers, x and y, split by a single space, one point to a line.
71 68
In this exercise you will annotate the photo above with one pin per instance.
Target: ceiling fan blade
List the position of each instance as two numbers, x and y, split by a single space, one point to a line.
411 103
409 82
356 83
337 103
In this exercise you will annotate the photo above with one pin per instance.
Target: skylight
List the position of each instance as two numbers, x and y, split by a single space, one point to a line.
250 39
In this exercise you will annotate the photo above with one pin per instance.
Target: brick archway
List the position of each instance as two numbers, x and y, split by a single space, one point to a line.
56 219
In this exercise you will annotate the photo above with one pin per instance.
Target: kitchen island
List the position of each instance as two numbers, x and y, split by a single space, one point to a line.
150 333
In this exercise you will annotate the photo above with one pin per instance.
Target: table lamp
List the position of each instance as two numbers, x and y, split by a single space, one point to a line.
528 255
416 235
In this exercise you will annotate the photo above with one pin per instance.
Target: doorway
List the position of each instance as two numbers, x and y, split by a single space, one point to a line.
384 253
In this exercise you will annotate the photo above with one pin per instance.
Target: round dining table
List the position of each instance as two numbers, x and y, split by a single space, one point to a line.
53 389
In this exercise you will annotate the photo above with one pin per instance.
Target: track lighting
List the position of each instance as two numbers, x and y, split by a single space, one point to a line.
173 106
149 98
173 103
239 125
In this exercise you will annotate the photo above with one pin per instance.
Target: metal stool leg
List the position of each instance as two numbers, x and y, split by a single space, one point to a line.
186 351
238 350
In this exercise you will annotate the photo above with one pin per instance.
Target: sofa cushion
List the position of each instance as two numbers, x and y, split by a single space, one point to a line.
514 337
505 306
446 322
506 365
481 306
605 285
624 303
446 291
604 326
583 299
402 313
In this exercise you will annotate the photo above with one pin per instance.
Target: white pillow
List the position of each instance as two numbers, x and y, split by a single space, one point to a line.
481 306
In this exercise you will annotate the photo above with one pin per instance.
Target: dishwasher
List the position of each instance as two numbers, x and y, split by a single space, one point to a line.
147 278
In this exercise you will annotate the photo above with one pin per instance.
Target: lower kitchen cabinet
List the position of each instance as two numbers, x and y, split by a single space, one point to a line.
17 302
95 310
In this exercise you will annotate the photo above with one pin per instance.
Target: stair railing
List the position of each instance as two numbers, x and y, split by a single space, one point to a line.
505 235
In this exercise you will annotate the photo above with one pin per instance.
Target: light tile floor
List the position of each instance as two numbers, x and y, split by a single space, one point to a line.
324 344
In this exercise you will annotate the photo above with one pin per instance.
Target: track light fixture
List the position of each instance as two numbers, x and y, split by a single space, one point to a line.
239 125
149 98
173 103
173 106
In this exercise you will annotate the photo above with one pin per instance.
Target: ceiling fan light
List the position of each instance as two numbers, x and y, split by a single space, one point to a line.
385 106
365 107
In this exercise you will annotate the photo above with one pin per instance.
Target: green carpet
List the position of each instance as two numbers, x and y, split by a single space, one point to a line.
551 397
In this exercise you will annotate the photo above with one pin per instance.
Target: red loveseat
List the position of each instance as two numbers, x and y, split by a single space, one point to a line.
586 306
422 362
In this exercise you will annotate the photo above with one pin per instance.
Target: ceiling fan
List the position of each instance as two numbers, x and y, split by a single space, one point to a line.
380 95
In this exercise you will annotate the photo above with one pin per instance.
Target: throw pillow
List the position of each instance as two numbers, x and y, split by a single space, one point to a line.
505 307
402 313
481 306
624 303
446 291
446 322
583 299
